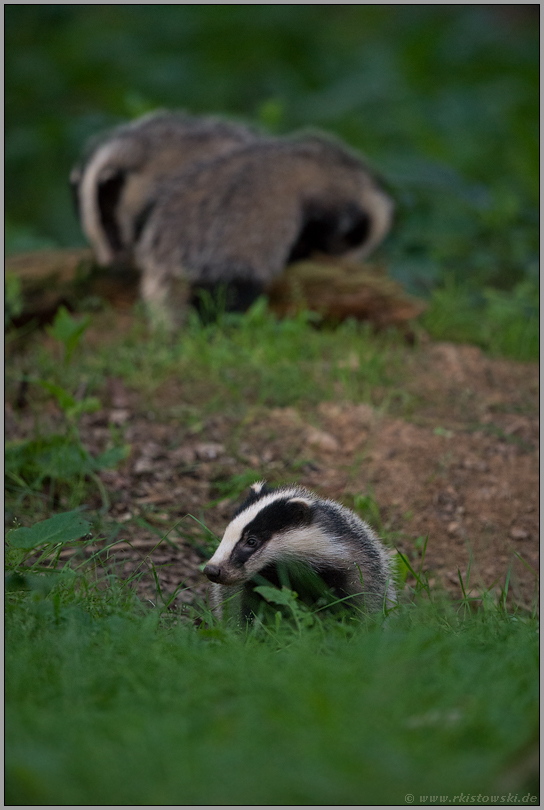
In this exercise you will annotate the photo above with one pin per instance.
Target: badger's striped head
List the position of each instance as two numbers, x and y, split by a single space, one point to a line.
271 526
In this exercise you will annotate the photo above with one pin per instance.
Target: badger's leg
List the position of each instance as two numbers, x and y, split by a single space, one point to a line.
226 602
216 600
374 590
165 297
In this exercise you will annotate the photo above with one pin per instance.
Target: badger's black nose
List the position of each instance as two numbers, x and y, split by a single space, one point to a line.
213 572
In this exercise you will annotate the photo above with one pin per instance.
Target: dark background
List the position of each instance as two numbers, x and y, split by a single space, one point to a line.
443 100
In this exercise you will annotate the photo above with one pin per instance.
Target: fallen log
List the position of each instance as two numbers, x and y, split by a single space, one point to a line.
49 278
339 289
334 288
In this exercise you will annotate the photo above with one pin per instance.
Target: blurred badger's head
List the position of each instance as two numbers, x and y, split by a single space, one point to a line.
114 185
345 210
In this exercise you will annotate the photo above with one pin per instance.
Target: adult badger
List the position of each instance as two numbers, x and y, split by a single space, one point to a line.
293 528
114 185
240 218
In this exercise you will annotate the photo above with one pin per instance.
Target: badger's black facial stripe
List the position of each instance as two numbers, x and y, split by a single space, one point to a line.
330 230
354 230
279 516
108 194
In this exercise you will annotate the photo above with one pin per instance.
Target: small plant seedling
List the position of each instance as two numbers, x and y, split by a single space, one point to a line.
71 408
68 331
61 456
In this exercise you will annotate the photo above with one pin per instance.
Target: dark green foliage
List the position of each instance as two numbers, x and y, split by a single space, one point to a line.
505 323
13 298
442 99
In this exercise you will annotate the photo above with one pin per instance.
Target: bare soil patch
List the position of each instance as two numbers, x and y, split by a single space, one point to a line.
462 468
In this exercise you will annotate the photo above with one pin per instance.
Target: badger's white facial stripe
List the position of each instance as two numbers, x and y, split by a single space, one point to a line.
257 486
380 206
234 530
88 198
307 542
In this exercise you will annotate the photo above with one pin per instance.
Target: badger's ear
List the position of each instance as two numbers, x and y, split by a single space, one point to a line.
301 510
259 488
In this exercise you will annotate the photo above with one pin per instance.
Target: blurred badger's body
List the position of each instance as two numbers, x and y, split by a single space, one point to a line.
240 218
115 184
291 527
215 204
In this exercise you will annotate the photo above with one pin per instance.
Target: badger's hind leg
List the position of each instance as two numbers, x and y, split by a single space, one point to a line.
165 298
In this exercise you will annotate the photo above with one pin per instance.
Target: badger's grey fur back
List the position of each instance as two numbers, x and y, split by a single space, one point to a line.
114 187
240 218
213 203
291 525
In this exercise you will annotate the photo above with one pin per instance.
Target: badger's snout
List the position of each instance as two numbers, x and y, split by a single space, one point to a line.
213 572
224 574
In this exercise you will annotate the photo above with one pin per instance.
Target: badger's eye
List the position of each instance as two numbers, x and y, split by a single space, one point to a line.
251 542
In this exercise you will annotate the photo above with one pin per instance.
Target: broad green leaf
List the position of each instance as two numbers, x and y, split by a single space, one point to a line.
71 406
63 528
283 597
64 462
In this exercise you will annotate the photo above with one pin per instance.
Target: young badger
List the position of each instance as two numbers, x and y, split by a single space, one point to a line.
291 526
113 188
240 218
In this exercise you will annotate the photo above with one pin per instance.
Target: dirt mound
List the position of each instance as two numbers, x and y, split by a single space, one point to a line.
462 470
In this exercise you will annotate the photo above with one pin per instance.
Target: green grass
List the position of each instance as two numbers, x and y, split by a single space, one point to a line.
113 701
232 367
107 703
250 360
258 359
